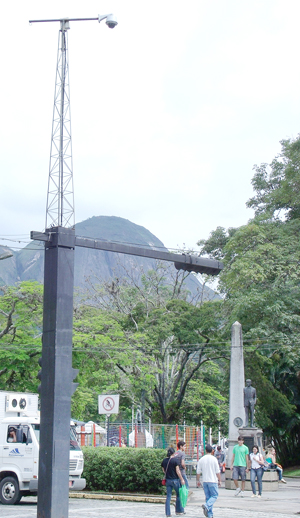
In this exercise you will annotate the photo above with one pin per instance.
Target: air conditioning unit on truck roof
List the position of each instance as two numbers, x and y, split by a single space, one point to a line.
16 402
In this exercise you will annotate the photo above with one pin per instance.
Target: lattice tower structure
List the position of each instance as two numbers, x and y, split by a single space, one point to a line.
60 197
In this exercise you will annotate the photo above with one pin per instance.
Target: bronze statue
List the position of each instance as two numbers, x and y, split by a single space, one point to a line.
249 403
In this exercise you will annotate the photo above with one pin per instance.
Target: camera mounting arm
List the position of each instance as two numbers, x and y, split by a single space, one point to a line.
111 20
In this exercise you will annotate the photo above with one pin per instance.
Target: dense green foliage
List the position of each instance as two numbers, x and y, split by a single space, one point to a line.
277 186
147 343
260 282
135 470
156 340
20 336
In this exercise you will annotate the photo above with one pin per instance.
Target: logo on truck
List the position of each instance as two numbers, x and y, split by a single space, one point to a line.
15 453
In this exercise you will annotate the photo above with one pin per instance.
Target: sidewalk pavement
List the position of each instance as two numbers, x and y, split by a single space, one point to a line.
273 504
285 501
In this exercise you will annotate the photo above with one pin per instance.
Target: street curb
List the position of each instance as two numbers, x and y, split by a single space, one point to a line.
129 498
152 499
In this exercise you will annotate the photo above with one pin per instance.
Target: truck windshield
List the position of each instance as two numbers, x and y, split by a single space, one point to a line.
73 441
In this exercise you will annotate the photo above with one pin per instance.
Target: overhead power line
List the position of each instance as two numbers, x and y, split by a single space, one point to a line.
119 348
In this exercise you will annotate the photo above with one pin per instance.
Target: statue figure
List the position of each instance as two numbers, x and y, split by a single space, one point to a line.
249 402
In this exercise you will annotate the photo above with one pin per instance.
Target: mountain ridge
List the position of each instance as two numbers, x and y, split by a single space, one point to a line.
93 265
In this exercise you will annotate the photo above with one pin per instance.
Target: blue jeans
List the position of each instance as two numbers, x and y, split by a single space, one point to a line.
170 485
211 494
279 471
259 473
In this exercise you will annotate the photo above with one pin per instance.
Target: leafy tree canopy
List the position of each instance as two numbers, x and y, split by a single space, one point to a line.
165 339
20 334
260 283
277 186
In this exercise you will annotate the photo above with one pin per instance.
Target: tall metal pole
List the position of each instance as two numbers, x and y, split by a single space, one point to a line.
57 374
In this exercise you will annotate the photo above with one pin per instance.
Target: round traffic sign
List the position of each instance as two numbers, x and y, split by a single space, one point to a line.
108 404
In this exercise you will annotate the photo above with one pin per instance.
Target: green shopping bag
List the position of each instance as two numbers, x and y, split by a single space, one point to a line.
183 495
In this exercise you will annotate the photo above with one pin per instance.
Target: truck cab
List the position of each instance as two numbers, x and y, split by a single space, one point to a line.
19 456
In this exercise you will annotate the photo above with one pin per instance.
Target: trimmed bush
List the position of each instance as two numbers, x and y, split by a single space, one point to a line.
135 470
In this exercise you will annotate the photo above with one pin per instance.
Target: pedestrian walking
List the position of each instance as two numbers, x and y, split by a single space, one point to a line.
181 445
239 465
220 457
257 462
170 466
211 479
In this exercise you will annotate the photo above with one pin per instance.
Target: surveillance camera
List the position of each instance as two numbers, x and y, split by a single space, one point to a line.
111 21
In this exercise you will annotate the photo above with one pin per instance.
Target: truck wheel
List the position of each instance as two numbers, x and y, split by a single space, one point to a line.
9 491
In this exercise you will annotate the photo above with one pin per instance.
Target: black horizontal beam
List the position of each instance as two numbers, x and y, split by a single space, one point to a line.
186 262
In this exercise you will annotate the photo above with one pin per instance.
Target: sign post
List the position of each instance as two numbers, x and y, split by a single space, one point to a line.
108 404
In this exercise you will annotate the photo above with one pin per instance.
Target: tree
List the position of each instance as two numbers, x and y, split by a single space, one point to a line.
207 397
21 313
98 342
165 339
142 340
277 186
20 335
260 282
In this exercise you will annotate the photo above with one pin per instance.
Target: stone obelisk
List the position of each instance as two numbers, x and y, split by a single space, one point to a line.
237 418
237 383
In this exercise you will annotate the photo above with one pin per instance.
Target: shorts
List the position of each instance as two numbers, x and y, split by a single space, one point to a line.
239 471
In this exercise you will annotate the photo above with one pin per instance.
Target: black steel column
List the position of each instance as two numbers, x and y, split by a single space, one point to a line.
56 375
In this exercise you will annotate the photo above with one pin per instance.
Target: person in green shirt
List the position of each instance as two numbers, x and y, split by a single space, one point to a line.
239 465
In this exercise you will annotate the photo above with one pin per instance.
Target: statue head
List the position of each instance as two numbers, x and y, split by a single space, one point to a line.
248 383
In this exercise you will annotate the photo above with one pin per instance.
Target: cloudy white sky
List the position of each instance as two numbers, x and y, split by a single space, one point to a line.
170 110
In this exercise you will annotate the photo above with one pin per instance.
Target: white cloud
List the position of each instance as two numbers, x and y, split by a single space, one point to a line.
170 110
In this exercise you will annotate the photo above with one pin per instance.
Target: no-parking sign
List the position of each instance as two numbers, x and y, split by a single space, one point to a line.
108 404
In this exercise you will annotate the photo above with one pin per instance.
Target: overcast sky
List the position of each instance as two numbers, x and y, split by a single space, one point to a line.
170 110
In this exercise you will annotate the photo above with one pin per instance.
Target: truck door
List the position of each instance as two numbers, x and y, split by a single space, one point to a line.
18 450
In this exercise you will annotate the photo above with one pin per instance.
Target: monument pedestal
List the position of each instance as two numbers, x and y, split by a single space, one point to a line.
251 436
269 481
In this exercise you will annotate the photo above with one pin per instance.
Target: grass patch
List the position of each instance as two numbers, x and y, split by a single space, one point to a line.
292 472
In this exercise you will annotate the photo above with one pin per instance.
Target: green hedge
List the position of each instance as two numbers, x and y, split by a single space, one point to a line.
123 469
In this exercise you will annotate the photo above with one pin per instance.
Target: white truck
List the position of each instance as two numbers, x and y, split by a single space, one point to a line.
19 448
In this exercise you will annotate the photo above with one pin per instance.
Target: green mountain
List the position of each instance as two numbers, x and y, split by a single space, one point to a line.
94 266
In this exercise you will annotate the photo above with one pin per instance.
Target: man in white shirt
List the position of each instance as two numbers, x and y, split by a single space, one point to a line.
211 479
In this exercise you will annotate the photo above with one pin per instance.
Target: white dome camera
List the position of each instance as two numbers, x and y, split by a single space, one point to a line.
111 21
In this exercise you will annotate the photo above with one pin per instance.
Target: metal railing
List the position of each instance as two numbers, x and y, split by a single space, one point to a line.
138 436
